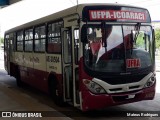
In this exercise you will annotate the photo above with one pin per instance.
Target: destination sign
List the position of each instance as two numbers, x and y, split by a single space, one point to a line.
116 15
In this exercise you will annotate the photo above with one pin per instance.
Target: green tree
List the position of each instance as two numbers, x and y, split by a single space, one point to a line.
1 40
140 40
157 37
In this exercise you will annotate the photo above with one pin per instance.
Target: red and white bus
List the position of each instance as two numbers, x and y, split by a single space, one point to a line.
90 55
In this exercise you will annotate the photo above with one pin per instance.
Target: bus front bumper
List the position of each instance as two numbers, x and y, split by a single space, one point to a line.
92 101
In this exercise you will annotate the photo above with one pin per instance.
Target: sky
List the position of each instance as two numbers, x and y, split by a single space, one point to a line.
28 10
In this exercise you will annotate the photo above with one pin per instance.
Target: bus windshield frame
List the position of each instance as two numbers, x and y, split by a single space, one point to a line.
123 51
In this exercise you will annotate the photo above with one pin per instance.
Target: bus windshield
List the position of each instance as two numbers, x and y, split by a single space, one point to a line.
118 48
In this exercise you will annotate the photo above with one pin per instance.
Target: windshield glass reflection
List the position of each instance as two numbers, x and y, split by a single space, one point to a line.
118 52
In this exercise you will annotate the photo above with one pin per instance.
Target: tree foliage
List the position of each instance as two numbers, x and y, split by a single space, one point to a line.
157 37
140 40
1 40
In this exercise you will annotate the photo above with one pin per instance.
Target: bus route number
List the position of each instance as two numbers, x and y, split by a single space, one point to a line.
54 59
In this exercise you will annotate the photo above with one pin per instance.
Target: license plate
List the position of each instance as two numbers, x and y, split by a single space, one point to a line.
131 96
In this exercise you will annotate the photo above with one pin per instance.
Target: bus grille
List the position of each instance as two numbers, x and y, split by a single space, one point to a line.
123 80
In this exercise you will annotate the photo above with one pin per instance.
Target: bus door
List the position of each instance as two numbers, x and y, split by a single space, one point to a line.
7 52
70 64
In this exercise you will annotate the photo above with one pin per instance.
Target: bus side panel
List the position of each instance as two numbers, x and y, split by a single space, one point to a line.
34 68
19 57
39 79
54 67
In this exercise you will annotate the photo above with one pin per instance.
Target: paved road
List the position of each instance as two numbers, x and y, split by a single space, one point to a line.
15 99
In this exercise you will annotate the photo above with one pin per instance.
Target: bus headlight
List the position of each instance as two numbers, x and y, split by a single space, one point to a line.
93 87
150 81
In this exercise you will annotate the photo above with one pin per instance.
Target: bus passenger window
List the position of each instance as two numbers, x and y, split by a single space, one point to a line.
19 41
40 39
54 38
29 40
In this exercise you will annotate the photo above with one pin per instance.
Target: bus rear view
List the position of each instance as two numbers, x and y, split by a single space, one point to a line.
119 60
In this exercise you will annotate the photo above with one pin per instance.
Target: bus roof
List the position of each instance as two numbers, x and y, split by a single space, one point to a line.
64 13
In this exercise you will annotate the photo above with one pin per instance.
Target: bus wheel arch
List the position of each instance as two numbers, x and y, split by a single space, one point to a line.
54 88
18 77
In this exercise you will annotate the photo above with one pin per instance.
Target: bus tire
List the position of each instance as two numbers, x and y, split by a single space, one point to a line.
53 90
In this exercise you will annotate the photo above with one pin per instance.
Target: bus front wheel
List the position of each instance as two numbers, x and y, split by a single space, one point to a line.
53 89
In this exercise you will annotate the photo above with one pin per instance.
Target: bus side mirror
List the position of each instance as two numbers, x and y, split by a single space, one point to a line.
84 35
154 40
